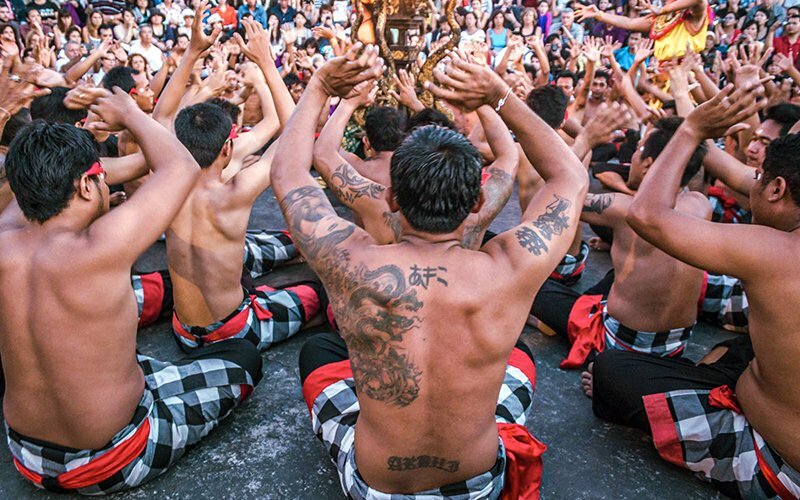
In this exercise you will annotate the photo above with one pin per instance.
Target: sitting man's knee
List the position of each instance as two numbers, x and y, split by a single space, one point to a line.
320 350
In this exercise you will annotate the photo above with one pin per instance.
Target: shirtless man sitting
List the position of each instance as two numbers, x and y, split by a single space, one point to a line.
365 195
440 387
652 304
205 240
733 419
84 412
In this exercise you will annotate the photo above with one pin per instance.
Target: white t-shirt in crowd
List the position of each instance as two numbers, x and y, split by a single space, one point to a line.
152 54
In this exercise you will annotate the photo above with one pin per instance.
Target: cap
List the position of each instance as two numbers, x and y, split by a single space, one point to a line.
187 13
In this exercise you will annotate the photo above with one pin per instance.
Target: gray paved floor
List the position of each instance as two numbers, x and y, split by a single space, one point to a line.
267 449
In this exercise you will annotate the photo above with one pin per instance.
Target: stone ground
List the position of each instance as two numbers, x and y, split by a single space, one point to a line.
266 449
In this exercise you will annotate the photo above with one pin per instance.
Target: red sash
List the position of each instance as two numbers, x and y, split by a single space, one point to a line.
585 330
98 469
153 291
523 462
231 327
729 204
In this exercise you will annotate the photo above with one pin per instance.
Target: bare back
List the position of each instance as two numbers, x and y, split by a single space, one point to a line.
653 292
205 252
766 390
67 338
429 354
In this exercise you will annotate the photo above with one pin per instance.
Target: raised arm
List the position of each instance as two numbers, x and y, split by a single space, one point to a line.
600 129
605 209
641 24
532 249
363 196
316 228
731 249
257 49
170 99
735 174
128 230
499 175
247 144
80 68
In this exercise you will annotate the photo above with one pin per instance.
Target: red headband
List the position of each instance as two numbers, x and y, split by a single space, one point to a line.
234 134
95 169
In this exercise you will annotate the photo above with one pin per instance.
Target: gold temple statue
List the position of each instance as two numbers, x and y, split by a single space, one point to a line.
396 27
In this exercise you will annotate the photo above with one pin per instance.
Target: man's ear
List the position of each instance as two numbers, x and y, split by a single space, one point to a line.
85 187
478 204
777 189
393 206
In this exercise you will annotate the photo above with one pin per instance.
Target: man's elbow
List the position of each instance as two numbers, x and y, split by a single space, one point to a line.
640 218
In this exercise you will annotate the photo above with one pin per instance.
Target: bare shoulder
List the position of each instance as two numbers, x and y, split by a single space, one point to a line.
694 203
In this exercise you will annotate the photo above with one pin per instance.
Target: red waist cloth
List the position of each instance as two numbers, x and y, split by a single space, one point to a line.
231 327
585 330
523 462
729 204
98 469
724 397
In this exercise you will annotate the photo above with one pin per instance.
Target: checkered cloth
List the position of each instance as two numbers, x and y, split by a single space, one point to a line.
181 404
335 410
150 290
265 317
571 267
265 250
666 344
702 431
726 210
725 303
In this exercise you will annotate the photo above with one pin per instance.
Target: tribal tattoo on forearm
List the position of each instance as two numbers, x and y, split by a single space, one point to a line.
553 221
374 308
597 203
348 185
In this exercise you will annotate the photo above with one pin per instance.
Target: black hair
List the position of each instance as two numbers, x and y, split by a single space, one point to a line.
106 26
605 75
203 128
429 116
550 103
291 79
551 37
232 110
385 128
43 163
436 178
780 160
657 140
785 114
14 124
310 43
51 109
182 35
120 76
566 74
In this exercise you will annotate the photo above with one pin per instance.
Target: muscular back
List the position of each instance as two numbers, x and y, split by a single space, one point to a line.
205 252
426 342
67 339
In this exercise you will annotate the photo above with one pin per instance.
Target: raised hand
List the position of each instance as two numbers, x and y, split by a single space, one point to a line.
114 110
200 42
643 50
16 94
603 125
257 48
341 74
583 12
783 62
365 93
591 49
468 85
726 112
83 96
251 74
406 90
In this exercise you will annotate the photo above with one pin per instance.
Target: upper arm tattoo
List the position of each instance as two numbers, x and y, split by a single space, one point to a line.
348 185
597 203
553 221
374 307
497 190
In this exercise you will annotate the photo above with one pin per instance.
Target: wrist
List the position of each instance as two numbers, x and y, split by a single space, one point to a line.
691 131
500 91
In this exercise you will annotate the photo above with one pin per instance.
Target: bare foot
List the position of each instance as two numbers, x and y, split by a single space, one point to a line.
597 244
586 380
